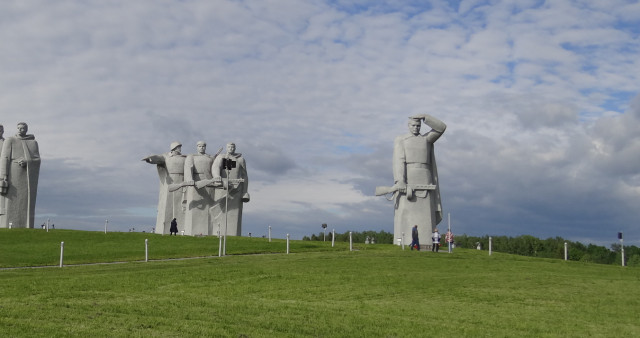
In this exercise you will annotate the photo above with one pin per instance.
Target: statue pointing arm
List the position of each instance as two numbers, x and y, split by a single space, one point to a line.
154 159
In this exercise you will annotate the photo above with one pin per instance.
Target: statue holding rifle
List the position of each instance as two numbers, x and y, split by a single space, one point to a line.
416 191
171 172
199 196
230 170
198 187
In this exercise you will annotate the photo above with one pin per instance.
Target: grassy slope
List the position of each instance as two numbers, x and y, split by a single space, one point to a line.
36 247
379 291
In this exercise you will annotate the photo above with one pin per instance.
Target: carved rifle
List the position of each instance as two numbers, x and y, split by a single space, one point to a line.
206 183
409 189
176 186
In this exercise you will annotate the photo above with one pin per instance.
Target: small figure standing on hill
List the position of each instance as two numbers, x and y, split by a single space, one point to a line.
448 237
436 240
174 228
414 236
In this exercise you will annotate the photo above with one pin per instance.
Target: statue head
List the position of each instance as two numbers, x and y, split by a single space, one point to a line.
231 148
201 146
414 126
176 148
22 128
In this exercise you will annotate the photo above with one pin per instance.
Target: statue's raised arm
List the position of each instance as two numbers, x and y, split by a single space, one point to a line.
437 127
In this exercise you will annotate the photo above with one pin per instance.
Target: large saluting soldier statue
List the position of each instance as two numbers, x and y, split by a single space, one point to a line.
416 189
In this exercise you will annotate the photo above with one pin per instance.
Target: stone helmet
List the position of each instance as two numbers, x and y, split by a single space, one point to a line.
175 145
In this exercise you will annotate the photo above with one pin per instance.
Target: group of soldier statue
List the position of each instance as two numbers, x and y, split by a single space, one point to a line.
203 193
19 171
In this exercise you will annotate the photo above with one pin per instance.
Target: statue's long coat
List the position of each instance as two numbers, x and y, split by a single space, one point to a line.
19 204
414 162
199 201
234 211
170 171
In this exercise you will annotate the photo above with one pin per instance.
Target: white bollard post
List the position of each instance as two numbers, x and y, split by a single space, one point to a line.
48 219
350 241
566 255
106 221
622 250
489 246
224 244
449 239
269 234
61 252
146 250
10 225
333 238
402 241
219 245
287 244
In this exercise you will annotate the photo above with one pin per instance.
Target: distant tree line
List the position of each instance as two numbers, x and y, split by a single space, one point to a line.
380 237
524 245
527 245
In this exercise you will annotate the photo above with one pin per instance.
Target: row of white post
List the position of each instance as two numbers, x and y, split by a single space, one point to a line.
221 245
221 241
566 255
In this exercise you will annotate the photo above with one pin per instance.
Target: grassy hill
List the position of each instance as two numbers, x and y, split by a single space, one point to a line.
36 247
317 291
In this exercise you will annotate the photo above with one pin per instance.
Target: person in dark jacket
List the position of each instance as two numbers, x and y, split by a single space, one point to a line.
174 228
414 236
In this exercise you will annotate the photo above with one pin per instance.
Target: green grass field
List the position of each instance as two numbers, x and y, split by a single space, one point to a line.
316 291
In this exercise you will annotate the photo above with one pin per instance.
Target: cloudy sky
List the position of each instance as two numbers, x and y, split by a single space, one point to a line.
540 98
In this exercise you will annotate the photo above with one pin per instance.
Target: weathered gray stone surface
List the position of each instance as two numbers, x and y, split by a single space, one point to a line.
416 188
19 172
199 198
237 192
170 172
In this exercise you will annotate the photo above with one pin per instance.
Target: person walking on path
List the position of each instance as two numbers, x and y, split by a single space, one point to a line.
436 240
414 238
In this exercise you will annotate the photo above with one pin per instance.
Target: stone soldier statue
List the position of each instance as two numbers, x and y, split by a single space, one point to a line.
417 196
170 171
237 189
199 198
19 172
